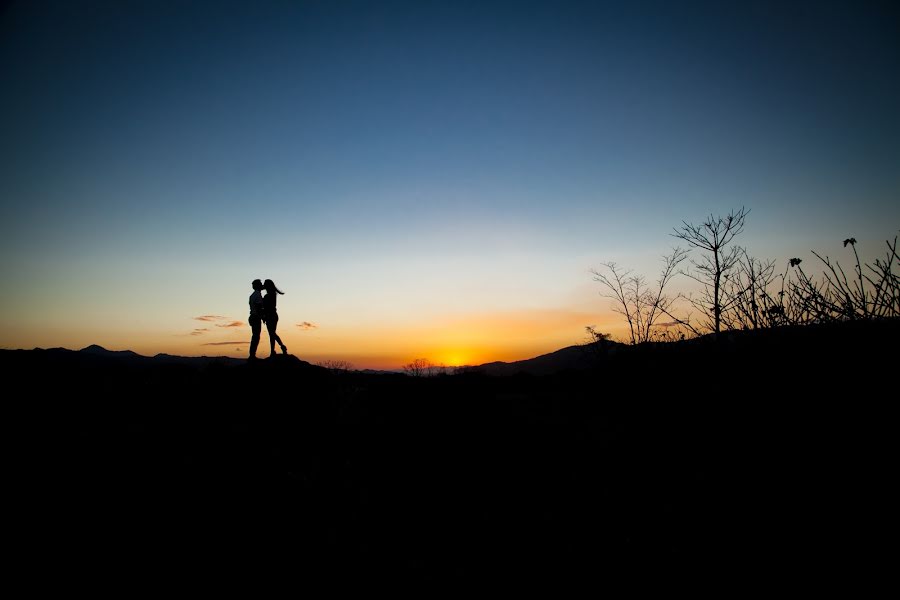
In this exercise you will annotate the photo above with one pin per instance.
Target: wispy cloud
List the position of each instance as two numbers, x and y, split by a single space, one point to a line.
199 331
306 326
210 318
225 343
231 324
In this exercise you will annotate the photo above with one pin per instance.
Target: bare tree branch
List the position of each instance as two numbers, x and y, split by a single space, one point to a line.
635 300
713 236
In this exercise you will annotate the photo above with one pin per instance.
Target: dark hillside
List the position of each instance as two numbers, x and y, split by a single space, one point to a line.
755 448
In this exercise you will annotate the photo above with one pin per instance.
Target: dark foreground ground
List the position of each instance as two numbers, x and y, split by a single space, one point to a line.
760 455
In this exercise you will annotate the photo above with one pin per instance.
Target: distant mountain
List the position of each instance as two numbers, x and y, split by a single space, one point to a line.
98 356
101 351
571 358
127 368
135 359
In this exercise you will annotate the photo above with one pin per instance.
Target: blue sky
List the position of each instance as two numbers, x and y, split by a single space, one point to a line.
396 165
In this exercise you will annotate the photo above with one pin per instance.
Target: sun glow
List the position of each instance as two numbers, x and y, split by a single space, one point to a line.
453 359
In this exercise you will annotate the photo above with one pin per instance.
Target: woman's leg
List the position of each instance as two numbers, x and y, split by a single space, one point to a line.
271 324
273 337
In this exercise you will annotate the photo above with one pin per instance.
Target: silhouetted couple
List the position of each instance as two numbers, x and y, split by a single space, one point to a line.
262 310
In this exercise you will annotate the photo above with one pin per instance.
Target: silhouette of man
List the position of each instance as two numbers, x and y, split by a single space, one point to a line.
256 316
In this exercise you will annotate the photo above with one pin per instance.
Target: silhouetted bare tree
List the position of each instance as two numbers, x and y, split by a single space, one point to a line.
640 304
713 237
336 365
422 367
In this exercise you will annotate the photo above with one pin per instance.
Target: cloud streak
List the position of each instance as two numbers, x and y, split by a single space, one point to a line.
199 331
306 326
231 324
224 343
210 318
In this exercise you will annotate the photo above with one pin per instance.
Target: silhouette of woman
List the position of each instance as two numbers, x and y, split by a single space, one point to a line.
271 317
256 316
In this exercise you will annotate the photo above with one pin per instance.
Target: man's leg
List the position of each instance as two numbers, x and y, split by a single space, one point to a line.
256 328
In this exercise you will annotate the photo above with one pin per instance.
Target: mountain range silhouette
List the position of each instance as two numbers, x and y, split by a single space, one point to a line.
569 358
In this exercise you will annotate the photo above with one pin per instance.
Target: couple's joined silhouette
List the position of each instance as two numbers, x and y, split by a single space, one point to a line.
262 310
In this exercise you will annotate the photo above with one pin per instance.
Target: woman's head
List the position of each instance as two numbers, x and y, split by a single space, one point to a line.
257 284
270 287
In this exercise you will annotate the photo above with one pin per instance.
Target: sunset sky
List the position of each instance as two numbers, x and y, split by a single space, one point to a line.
422 179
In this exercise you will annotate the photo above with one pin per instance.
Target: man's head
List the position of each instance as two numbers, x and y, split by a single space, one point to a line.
257 285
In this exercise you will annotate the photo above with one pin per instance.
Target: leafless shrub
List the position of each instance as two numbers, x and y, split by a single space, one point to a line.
871 291
341 366
640 304
422 367
749 299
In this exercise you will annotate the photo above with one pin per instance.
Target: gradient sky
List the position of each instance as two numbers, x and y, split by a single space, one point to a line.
422 179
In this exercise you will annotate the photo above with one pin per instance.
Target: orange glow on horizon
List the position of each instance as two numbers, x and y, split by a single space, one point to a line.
451 340
454 359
